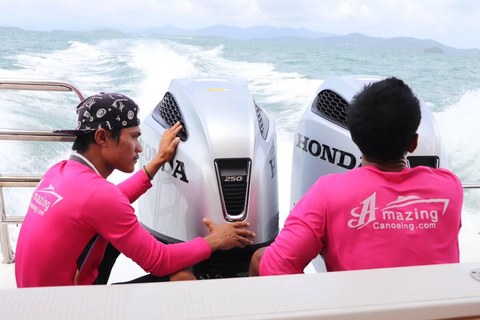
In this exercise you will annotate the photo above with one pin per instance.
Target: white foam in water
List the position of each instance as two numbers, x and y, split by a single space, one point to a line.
458 127
459 130
80 64
159 64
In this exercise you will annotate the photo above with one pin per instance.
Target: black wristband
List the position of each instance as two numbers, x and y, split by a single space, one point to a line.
146 172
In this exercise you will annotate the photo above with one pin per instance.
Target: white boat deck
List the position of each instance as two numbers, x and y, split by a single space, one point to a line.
7 276
427 292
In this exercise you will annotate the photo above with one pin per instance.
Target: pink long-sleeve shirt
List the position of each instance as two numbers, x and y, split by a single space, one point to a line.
72 206
367 218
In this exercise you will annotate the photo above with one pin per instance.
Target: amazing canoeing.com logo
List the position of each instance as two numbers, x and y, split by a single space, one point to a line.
409 212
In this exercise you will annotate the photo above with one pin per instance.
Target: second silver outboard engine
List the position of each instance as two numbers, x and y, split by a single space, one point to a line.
224 169
322 143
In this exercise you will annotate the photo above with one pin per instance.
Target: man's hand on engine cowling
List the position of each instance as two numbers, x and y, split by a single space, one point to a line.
166 150
229 235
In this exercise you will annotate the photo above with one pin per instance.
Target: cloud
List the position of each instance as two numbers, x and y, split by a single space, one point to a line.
346 10
467 7
453 21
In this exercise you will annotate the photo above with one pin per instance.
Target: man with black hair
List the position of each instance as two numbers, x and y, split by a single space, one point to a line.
78 222
383 214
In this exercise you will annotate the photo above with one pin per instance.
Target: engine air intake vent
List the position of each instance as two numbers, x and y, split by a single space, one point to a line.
262 119
331 106
428 161
167 114
234 180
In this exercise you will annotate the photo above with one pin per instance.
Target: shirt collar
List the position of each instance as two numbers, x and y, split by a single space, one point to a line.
82 159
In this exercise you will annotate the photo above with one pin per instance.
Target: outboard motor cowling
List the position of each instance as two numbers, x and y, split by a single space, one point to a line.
323 145
224 168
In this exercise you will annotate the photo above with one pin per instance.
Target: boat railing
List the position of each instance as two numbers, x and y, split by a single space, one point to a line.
470 185
15 181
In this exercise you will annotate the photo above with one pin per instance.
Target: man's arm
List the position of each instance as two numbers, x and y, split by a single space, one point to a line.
299 242
115 220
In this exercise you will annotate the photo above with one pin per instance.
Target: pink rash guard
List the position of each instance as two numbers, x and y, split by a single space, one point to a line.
366 218
74 206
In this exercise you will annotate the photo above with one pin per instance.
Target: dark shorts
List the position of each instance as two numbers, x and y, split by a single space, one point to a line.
147 278
106 266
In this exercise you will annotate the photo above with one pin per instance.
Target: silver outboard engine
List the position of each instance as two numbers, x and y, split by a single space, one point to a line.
224 169
322 143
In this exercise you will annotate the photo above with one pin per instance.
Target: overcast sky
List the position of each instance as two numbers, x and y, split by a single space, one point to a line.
451 22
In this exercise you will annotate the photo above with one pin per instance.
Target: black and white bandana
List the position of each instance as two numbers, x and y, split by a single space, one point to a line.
105 110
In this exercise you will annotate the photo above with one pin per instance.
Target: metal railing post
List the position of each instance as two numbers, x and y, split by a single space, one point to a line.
7 252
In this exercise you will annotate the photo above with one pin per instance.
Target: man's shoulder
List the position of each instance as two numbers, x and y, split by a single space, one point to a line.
101 194
76 176
334 181
437 173
343 176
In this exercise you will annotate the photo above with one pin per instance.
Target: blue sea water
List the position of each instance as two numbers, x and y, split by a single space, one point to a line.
282 78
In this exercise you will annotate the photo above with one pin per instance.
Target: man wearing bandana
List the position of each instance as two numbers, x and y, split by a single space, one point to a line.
77 222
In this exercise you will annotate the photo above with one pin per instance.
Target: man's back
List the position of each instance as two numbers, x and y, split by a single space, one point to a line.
367 218
54 232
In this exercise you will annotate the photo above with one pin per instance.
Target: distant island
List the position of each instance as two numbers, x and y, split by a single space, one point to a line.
308 37
433 50
298 36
